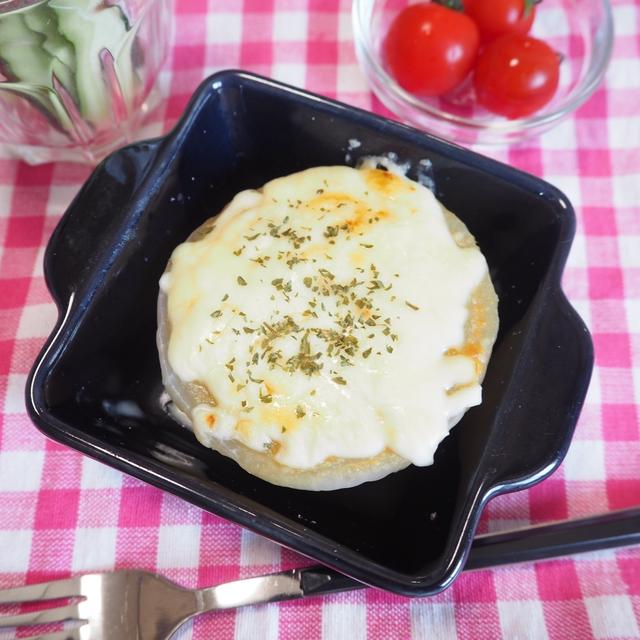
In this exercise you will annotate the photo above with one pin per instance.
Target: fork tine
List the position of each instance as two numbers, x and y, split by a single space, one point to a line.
43 591
71 634
58 614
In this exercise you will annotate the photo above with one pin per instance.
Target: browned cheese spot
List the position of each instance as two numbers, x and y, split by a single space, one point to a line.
274 447
472 348
385 182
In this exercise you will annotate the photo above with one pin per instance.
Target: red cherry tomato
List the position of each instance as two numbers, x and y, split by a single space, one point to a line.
516 75
429 48
496 18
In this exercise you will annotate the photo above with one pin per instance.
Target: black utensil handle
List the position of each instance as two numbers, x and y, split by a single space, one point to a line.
606 531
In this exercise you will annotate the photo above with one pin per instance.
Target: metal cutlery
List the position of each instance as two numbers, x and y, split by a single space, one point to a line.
138 605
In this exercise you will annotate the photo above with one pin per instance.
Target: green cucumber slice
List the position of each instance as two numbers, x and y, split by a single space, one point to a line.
43 20
91 26
31 68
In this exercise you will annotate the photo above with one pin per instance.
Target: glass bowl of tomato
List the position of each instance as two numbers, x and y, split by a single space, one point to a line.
480 71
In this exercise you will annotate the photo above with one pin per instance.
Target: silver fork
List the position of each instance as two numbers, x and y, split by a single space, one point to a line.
138 605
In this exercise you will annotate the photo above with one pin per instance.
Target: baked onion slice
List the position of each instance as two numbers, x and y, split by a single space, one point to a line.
334 472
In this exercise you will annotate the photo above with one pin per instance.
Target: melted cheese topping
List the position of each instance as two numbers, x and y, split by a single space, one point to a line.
325 316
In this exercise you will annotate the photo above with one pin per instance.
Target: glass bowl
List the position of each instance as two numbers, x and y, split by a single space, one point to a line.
580 30
78 78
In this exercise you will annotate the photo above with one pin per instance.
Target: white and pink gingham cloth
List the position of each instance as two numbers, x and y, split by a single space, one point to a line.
62 513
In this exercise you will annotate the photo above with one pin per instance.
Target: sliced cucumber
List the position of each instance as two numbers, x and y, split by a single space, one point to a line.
22 51
43 20
15 33
32 68
68 39
92 27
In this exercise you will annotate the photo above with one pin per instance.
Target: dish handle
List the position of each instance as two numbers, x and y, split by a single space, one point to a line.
84 233
544 405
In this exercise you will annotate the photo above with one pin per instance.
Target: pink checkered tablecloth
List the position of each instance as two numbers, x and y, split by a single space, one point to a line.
62 513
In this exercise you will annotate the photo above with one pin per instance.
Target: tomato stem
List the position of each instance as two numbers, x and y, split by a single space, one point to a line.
528 7
456 5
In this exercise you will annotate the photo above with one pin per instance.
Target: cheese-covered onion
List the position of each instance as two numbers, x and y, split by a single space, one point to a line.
335 315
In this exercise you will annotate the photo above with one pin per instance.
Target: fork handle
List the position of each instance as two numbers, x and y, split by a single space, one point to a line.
606 531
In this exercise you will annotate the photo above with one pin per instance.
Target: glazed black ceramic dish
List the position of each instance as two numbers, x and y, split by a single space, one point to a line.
96 385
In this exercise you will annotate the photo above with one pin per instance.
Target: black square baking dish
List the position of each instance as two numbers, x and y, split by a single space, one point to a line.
96 385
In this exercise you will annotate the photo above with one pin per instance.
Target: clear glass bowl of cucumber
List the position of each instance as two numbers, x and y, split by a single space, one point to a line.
78 77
